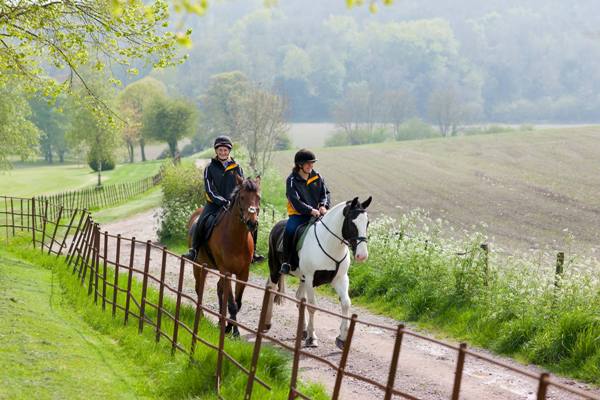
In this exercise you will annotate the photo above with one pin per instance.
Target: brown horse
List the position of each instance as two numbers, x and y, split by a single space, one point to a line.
230 246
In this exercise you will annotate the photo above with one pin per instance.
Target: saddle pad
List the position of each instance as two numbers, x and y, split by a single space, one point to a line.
298 237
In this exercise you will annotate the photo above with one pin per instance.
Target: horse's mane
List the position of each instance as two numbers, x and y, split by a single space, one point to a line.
248 185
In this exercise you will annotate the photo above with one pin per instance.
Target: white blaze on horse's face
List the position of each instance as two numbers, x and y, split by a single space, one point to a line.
361 222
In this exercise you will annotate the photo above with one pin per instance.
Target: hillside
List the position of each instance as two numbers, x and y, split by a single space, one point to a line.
531 190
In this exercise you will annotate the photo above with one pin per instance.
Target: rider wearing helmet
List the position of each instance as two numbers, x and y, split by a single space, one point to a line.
307 196
219 182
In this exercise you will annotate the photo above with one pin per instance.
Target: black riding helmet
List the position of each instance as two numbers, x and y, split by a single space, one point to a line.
223 141
304 156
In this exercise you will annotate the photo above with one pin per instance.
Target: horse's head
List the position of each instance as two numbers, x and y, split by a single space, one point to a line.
246 200
354 229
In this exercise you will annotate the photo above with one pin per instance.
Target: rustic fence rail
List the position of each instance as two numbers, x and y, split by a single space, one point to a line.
95 197
107 264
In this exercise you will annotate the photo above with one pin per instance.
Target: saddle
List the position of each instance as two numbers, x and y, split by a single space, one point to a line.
207 225
299 237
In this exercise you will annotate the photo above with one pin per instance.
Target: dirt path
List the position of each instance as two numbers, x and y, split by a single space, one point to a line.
425 370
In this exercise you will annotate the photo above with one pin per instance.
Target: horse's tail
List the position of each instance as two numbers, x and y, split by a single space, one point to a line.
280 289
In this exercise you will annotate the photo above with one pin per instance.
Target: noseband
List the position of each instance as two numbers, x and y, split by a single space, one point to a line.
251 210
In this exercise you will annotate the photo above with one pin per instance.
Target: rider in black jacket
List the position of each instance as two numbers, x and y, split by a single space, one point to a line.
219 182
307 196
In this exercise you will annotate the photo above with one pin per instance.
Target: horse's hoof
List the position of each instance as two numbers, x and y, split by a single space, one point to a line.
228 329
267 328
304 334
235 334
340 343
311 342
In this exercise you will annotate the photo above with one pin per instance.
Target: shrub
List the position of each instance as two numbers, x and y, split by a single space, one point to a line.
183 192
415 128
356 137
106 164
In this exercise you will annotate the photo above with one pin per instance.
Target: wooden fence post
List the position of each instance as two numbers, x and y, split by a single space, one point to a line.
116 280
222 324
145 286
344 359
129 280
460 363
394 364
257 344
543 386
486 270
199 313
104 270
178 305
297 346
560 261
60 210
161 293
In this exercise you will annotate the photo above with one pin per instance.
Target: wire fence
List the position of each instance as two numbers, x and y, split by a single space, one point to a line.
118 272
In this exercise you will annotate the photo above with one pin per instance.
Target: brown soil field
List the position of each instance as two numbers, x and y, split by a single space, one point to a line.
531 189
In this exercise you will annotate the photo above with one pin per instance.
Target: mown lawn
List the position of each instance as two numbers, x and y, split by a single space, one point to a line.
48 351
27 180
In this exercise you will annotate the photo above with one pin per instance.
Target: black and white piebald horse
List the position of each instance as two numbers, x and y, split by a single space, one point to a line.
323 258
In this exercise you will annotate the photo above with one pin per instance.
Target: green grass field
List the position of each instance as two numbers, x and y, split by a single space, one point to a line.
48 351
525 190
65 346
27 180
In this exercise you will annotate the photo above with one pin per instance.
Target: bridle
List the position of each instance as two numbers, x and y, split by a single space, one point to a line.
351 242
251 210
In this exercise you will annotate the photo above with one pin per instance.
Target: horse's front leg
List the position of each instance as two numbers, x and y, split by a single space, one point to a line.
341 287
311 339
301 294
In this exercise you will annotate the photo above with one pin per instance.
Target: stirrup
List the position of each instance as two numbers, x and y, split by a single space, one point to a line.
256 258
285 268
190 255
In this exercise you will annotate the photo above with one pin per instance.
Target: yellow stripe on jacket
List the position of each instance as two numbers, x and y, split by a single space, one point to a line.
311 180
291 210
230 167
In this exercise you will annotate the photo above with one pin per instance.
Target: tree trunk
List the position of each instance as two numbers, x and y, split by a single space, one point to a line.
172 147
61 156
130 150
142 144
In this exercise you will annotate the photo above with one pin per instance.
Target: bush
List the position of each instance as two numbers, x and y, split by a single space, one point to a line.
183 192
107 164
356 137
415 128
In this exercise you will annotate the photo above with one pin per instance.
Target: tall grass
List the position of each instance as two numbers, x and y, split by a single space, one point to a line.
514 305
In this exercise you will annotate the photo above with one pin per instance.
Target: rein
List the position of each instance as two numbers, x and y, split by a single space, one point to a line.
337 263
347 242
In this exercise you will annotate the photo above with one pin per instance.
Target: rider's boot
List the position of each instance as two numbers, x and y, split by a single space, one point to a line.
191 254
287 247
256 258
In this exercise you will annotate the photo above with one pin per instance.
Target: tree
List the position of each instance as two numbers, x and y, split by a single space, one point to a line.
169 120
38 37
357 110
18 135
52 123
446 110
222 104
133 102
89 131
265 123
397 106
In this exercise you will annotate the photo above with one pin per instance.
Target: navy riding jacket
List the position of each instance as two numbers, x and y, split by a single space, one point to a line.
220 180
306 194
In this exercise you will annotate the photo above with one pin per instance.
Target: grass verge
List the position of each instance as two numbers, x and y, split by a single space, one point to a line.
163 375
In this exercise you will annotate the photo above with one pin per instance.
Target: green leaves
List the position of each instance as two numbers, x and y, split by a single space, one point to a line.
70 35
